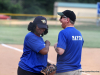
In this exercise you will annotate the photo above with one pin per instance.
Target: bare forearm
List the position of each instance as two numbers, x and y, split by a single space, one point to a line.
56 49
47 47
59 51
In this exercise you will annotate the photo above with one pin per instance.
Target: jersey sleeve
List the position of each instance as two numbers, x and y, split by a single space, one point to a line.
35 44
62 40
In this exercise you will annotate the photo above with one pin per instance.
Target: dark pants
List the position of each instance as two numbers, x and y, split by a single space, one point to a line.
23 72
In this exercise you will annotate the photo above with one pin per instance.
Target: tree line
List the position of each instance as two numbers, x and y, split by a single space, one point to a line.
34 6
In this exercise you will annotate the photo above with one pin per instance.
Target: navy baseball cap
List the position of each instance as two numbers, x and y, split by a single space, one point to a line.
41 22
68 13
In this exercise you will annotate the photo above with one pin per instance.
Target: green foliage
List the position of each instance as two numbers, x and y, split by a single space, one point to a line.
80 1
4 5
34 6
16 8
38 6
7 7
46 6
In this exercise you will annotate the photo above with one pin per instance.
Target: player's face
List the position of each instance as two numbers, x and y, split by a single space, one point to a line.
39 31
63 20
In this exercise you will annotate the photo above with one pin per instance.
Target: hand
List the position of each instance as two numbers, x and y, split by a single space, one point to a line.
45 50
55 45
47 42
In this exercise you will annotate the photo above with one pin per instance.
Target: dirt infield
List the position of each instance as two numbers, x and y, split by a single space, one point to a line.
10 56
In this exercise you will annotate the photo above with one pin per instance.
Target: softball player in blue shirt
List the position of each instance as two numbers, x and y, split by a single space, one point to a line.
69 46
34 57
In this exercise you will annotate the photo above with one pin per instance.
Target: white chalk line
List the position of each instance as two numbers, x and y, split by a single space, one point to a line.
12 47
19 50
22 51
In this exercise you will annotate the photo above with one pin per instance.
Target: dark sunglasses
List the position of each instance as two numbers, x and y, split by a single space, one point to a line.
63 17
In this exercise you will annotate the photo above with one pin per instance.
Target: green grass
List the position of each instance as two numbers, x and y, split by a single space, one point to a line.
91 35
12 34
16 34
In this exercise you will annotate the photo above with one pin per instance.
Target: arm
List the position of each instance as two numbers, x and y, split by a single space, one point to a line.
45 50
60 51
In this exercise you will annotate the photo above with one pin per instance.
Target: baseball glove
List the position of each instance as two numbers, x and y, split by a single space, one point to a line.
49 69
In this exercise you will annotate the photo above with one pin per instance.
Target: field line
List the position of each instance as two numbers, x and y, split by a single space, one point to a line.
19 50
12 47
22 51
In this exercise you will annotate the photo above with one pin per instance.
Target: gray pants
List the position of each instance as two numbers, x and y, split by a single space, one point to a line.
75 72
